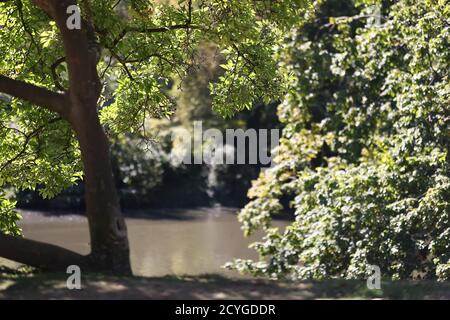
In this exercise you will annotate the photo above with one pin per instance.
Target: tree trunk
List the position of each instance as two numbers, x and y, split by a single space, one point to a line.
108 231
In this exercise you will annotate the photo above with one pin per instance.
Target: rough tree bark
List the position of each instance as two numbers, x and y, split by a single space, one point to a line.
78 105
109 242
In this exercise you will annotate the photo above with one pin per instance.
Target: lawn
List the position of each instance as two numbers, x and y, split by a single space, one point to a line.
27 285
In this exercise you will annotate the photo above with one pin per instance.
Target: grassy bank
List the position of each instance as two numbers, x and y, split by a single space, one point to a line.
26 285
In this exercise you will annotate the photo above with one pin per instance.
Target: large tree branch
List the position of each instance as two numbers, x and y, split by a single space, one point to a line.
36 95
40 255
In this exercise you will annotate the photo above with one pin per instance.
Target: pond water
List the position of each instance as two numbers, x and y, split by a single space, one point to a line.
162 242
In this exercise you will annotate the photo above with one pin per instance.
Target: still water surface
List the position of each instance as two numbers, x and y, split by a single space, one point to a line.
163 242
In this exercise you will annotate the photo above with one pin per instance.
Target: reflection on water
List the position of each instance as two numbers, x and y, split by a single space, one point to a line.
166 242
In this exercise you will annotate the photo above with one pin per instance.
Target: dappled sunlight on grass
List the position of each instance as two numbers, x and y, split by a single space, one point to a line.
22 285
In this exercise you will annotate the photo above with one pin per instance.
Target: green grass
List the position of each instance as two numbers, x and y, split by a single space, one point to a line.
26 284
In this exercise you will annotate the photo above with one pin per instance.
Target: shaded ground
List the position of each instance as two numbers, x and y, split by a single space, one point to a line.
15 285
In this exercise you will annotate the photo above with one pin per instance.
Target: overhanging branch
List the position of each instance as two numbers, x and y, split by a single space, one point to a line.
40 255
36 95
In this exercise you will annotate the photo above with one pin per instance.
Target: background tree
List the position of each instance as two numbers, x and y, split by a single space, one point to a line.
60 105
364 158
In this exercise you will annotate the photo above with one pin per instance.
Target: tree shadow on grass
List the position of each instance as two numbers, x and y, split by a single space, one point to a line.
53 286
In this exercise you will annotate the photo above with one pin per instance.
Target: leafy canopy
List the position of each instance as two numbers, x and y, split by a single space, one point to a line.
142 47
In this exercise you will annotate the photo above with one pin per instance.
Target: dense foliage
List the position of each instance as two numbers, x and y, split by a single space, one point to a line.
364 158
